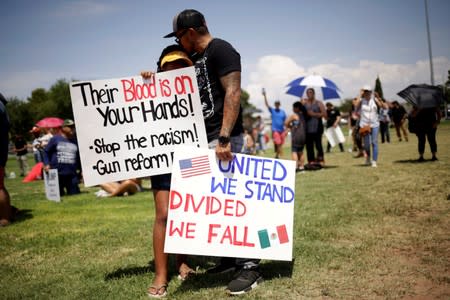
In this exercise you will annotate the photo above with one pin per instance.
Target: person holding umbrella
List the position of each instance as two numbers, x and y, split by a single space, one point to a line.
425 117
426 121
369 122
44 139
314 127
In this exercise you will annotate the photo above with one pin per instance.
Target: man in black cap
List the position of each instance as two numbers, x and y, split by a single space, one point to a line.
218 69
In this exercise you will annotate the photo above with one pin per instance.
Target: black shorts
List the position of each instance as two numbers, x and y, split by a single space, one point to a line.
297 149
161 182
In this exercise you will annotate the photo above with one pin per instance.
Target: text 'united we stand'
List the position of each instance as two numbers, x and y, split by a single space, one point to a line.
241 207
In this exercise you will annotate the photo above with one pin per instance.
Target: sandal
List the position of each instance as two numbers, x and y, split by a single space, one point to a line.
157 291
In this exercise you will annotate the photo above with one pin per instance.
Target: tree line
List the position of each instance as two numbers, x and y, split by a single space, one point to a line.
54 102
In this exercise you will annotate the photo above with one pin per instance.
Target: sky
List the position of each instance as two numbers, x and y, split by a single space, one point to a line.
350 42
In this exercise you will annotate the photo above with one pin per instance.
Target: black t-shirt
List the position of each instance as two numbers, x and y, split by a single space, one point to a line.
218 60
19 144
332 116
398 114
425 119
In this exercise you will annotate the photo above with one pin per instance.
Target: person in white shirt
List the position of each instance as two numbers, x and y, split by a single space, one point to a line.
369 122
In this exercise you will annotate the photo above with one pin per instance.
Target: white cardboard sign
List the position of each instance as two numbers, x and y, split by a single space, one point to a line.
128 127
334 136
242 208
51 183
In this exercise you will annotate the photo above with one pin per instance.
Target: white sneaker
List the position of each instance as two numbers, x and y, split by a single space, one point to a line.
102 193
374 164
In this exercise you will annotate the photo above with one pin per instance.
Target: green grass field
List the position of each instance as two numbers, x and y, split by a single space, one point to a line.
359 233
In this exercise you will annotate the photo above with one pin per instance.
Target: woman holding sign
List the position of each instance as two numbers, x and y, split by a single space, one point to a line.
172 57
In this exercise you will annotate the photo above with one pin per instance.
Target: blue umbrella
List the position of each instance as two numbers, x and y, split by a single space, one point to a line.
327 87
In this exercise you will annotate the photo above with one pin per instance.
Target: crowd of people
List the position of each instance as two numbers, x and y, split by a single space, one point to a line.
369 117
218 68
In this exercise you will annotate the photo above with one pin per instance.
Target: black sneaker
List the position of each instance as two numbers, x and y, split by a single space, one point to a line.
421 159
244 281
226 265
434 158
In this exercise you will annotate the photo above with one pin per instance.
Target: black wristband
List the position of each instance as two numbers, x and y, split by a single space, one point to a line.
224 140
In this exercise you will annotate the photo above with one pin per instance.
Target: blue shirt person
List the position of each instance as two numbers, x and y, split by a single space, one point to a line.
62 153
278 130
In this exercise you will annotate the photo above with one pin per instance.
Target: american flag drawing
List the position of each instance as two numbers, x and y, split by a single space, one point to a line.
194 166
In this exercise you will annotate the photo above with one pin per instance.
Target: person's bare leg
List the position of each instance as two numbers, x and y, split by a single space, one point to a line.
301 160
127 186
159 233
109 187
295 158
279 151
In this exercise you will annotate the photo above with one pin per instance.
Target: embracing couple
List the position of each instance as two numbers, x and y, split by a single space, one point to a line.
218 70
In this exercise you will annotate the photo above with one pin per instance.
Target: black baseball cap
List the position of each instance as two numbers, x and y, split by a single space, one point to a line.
188 18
